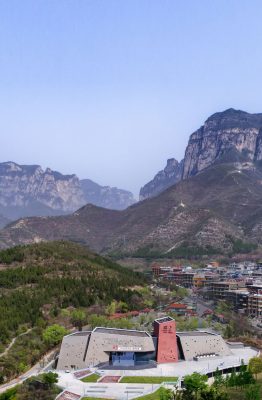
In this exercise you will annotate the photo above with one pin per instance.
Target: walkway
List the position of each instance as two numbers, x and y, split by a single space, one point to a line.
116 391
13 341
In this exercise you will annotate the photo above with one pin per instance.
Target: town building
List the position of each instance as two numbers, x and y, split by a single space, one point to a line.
217 290
182 309
255 305
125 348
194 345
238 299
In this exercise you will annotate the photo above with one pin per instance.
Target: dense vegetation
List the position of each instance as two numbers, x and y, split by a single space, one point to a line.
38 281
185 250
189 251
243 247
237 386
41 387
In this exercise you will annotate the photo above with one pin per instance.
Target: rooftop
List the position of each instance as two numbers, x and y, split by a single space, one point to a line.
116 331
82 333
177 305
194 333
164 319
239 291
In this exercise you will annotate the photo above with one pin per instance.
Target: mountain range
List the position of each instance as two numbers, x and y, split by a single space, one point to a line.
28 190
214 207
221 134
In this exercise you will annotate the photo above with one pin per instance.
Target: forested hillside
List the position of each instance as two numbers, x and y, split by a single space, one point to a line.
40 282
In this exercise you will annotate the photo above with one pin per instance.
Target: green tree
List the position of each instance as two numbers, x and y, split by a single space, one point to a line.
22 367
181 292
194 383
213 394
255 365
232 381
78 319
54 334
10 394
218 379
244 377
142 319
228 333
253 392
122 306
166 394
49 378
111 308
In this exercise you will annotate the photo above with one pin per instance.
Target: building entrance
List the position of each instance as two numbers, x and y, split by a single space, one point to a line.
123 358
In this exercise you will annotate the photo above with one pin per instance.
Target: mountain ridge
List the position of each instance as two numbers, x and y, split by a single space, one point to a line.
222 133
216 209
28 190
183 215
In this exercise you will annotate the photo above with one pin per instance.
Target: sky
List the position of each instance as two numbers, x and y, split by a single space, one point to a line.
109 89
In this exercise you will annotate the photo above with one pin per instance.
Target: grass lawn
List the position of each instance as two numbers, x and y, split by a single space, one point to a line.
148 379
151 396
91 378
94 398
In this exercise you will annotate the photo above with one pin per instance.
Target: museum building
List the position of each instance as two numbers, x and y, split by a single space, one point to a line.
126 348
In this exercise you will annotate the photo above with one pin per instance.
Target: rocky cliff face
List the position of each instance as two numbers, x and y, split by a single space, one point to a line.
27 190
106 196
230 132
228 136
170 175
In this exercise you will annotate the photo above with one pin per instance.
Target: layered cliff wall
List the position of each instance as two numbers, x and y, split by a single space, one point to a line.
28 190
231 131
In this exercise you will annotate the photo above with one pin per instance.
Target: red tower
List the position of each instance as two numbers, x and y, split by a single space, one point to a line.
165 331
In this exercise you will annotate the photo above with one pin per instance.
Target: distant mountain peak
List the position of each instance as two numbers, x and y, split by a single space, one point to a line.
228 112
230 136
28 190
232 131
170 175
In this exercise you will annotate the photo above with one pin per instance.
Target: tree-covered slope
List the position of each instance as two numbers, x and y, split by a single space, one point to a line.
56 275
42 286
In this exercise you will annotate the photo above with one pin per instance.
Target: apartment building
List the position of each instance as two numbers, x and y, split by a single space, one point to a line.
238 298
255 305
218 290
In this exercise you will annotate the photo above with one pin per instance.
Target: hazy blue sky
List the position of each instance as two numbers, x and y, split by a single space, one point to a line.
110 89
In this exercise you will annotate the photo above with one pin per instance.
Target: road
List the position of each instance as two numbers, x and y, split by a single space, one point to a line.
35 370
13 341
201 305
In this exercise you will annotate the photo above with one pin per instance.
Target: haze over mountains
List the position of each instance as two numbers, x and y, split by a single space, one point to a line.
28 190
215 207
